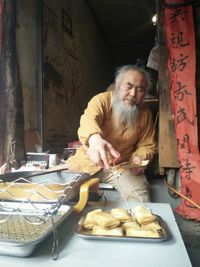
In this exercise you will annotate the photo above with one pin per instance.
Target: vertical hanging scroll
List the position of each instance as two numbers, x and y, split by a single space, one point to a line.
180 40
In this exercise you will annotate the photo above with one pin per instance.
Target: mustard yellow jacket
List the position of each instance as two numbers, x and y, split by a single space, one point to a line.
98 118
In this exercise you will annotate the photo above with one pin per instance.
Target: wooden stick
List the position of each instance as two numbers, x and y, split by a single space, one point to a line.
181 195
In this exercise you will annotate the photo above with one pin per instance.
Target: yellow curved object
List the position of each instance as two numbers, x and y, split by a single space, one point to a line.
93 185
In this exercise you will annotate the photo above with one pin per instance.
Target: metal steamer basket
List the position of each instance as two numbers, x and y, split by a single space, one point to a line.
32 205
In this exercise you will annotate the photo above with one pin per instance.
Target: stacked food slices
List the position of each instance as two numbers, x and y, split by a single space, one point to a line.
119 222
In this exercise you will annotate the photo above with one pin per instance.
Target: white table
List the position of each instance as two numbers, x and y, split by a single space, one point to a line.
78 252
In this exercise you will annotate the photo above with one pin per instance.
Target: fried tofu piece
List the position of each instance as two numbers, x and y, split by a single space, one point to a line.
121 214
135 230
106 219
143 216
89 219
141 233
132 224
99 230
151 226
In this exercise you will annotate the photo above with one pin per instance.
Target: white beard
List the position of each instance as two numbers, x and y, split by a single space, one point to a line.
124 114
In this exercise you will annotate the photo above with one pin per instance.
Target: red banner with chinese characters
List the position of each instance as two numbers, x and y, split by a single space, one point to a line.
180 40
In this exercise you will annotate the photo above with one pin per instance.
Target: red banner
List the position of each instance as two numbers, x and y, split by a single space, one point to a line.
180 40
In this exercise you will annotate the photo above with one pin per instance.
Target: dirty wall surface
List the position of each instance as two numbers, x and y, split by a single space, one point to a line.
76 65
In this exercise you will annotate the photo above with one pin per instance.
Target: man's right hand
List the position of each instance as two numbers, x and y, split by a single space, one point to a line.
99 149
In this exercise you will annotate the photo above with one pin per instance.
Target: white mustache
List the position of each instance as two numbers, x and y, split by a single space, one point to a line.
131 99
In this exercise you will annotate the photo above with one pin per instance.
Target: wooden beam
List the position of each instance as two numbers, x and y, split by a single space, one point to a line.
167 144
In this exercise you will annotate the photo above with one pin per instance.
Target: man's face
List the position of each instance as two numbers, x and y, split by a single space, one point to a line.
132 88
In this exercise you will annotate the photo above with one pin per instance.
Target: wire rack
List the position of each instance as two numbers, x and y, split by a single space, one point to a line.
32 207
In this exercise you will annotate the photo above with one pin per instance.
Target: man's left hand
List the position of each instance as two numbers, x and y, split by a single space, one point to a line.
140 169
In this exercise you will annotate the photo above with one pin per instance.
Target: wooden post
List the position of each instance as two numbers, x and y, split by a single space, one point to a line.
11 100
167 145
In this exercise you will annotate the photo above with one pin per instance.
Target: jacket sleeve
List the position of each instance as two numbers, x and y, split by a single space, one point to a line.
146 146
92 119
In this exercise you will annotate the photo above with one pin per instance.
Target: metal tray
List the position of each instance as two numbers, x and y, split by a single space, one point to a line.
21 233
86 234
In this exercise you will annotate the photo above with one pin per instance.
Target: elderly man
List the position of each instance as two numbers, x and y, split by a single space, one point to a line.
117 135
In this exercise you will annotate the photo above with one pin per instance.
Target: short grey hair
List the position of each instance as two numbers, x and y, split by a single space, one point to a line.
122 70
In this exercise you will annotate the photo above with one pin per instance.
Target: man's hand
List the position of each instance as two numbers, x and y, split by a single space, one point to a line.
141 167
99 149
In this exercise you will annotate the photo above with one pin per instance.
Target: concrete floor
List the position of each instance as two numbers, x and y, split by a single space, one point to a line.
190 230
